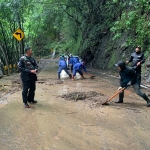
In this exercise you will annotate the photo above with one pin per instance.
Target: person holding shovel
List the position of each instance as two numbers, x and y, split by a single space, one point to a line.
128 77
137 58
78 68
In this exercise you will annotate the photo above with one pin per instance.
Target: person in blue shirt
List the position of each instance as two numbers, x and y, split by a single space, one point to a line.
78 68
73 60
63 66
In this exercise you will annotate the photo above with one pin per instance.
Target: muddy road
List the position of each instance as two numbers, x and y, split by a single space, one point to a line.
69 115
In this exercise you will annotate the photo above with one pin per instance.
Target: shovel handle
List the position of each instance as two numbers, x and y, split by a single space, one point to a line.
90 74
116 94
109 99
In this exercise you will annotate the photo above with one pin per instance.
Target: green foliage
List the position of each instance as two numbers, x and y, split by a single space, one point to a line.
71 26
112 61
134 21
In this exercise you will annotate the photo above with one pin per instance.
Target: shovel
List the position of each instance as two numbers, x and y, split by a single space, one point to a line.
91 75
109 99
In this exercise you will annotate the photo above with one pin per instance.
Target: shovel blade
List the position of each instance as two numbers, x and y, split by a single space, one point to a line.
106 103
92 77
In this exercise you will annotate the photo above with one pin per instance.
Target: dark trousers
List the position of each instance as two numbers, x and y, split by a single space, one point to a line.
71 68
137 91
138 74
28 91
60 70
79 71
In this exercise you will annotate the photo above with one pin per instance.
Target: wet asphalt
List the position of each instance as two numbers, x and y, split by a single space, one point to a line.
58 124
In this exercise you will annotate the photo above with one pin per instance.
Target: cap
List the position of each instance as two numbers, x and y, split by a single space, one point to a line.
27 48
116 65
121 64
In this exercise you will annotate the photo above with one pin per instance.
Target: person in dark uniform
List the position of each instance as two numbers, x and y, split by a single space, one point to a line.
137 58
127 78
28 68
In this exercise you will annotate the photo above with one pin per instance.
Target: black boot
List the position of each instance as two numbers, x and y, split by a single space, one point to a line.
26 105
145 97
58 77
70 76
148 103
119 101
32 101
121 96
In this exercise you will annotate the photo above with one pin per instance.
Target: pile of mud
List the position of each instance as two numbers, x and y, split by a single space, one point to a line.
81 95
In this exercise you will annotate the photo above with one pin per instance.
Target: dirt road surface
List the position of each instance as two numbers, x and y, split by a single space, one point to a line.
58 122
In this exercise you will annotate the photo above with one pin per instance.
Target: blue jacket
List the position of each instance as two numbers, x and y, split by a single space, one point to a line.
79 66
62 64
74 60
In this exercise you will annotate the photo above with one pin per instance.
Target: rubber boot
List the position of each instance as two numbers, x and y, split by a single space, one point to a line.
70 76
148 103
119 101
58 77
121 95
82 76
145 97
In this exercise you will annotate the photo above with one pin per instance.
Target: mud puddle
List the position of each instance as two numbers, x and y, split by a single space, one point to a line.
92 98
81 95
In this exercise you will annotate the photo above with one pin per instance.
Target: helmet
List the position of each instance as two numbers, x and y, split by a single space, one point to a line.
62 58
70 55
61 55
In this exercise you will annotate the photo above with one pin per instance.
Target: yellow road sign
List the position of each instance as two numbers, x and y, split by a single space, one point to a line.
19 35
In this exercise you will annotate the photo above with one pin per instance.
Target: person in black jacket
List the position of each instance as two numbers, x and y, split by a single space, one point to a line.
28 68
128 77
137 58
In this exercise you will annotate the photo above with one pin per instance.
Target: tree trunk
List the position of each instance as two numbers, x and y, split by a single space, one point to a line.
5 58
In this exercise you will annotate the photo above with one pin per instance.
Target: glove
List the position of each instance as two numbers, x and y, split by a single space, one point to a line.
129 83
119 88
